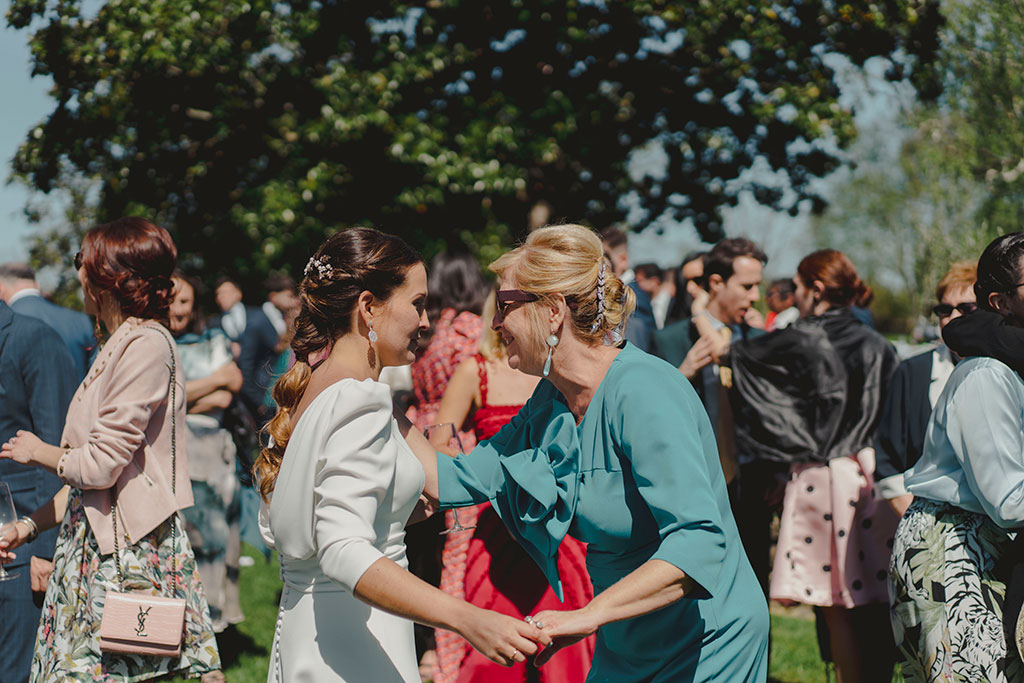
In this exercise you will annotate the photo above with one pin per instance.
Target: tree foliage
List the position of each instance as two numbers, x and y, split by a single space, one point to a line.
251 128
957 180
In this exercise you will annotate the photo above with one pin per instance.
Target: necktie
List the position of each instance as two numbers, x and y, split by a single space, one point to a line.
726 426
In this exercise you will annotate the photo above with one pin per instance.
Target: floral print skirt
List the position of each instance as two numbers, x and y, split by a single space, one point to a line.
947 585
67 643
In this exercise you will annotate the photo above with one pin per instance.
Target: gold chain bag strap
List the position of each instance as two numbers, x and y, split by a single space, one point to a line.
137 622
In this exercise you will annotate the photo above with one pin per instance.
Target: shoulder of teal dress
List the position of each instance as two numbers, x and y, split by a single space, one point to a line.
637 378
528 472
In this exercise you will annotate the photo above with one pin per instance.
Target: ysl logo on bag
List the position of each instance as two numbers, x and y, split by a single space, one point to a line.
141 616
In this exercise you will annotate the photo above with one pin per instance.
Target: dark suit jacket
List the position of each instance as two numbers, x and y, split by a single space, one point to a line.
37 381
74 328
641 326
674 341
258 342
905 415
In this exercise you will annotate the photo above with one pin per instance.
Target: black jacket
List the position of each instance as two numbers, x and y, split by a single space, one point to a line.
984 333
811 392
899 440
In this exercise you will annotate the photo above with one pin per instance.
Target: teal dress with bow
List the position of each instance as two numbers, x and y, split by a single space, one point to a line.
638 479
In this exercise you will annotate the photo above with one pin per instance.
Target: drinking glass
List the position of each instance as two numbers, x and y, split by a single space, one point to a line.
444 437
8 516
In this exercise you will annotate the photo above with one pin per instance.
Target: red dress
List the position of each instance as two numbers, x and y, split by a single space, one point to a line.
489 569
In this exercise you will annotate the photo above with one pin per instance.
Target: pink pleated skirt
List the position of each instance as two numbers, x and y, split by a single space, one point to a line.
835 536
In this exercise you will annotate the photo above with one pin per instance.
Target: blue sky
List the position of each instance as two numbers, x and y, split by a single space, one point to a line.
25 103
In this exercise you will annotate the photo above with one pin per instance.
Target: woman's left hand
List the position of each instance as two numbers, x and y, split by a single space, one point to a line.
565 628
23 447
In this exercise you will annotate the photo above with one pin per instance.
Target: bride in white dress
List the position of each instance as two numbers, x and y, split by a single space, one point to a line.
340 482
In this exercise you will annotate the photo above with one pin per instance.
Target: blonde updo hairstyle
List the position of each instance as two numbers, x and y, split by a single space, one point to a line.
346 265
567 260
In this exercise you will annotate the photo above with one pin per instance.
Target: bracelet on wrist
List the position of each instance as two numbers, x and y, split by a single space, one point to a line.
33 528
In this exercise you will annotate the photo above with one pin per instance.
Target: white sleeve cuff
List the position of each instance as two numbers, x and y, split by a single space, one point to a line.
891 487
346 562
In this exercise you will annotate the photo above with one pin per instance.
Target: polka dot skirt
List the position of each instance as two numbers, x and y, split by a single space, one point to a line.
835 536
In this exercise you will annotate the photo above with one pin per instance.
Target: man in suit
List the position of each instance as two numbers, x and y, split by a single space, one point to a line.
282 304
36 386
640 325
915 388
256 339
19 289
733 271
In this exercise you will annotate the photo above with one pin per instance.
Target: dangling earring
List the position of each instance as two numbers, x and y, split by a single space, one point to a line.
552 342
372 336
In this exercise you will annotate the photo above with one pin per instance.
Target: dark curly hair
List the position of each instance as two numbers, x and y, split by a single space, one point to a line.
133 260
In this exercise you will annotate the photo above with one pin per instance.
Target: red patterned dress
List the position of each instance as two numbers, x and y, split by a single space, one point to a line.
489 569
456 338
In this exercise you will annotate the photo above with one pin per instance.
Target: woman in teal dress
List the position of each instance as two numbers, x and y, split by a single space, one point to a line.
614 448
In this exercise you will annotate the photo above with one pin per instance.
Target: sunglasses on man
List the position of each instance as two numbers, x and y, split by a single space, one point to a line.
946 310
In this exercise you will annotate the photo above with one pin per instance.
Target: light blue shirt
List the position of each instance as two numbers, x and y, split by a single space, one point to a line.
974 448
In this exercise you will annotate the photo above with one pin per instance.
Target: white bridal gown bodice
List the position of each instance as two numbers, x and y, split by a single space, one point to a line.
346 488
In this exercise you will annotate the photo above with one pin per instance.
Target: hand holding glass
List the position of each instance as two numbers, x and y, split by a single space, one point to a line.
8 516
445 438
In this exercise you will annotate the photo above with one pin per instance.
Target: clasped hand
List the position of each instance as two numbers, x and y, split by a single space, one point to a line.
22 448
552 629
564 627
28 449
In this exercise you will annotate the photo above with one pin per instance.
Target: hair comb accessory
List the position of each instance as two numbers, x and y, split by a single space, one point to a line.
600 299
320 265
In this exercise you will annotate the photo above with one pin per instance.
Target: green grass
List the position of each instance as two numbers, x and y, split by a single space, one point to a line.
795 656
245 648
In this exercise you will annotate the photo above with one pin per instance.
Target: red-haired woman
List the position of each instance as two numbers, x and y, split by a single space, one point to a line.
123 461
812 395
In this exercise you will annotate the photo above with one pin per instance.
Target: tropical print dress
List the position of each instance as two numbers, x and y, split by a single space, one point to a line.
946 594
67 643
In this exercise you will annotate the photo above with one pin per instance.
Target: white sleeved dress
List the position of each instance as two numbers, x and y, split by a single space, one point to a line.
346 488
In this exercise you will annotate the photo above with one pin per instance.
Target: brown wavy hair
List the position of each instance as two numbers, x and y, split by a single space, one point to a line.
132 259
843 287
351 262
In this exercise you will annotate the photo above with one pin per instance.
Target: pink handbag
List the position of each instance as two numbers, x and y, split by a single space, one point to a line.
137 622
142 624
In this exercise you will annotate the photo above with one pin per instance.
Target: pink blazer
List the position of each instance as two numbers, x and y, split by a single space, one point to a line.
118 434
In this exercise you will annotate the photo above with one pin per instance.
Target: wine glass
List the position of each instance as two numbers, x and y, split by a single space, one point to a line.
7 516
444 437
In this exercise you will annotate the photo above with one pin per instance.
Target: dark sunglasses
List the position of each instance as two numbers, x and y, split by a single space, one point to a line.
507 298
946 310
78 261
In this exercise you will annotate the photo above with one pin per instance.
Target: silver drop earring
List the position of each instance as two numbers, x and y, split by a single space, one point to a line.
552 342
372 336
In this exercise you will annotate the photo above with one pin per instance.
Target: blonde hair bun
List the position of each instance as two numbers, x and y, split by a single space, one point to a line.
567 259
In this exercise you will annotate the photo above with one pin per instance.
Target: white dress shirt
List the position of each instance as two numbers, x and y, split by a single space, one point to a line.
22 293
974 449
234 321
